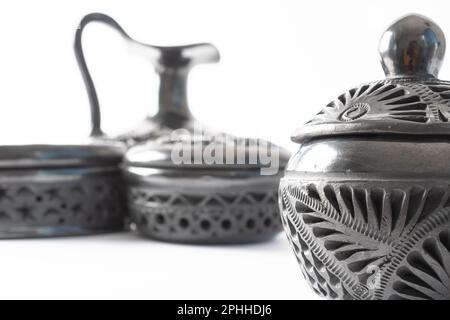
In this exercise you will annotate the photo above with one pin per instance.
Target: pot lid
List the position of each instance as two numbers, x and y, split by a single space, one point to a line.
410 101
36 156
218 151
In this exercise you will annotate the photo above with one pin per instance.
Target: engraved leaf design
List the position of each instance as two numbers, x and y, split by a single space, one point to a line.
374 101
346 230
425 274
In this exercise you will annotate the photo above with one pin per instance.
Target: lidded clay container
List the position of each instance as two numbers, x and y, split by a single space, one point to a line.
365 201
190 199
199 203
61 190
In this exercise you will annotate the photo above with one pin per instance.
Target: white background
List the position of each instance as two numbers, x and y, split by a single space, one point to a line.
281 62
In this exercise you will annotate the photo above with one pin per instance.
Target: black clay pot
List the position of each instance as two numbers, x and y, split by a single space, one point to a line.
365 201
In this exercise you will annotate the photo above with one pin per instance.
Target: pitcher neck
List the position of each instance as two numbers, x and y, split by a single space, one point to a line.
173 92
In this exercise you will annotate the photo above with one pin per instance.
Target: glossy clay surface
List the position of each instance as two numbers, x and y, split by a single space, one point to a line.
365 201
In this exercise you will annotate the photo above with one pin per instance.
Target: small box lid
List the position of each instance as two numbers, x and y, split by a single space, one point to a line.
47 156
410 101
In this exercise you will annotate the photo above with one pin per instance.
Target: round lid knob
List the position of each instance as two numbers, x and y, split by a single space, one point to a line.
413 46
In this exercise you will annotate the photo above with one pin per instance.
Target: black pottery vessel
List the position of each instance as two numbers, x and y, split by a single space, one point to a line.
61 190
191 201
365 201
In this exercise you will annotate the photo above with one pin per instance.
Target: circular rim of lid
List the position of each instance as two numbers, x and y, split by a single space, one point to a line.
156 155
36 156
